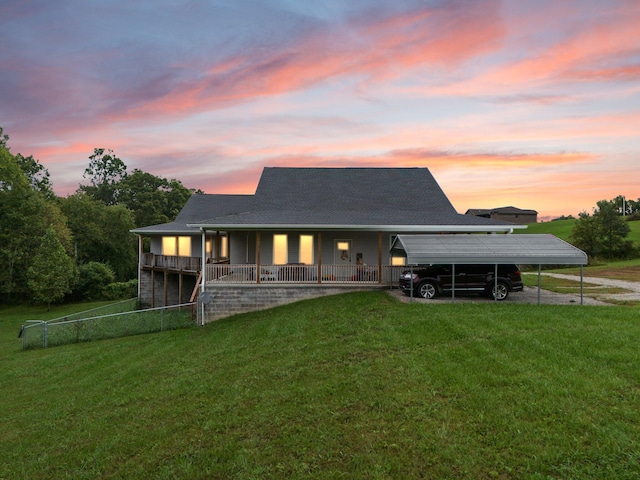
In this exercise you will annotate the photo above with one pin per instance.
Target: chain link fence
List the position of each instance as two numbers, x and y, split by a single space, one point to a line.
111 321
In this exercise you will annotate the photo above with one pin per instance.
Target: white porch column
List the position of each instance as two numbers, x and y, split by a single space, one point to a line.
319 257
258 262
203 265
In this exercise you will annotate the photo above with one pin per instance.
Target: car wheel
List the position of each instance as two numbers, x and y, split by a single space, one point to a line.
427 290
501 293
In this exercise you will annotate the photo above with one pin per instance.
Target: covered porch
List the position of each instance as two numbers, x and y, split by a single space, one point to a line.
303 256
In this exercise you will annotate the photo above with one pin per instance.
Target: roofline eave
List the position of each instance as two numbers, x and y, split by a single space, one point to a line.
183 231
364 228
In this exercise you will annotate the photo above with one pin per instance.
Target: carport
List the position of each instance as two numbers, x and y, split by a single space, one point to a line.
534 249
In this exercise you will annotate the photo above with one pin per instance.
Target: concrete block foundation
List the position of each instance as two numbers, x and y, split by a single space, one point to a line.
227 300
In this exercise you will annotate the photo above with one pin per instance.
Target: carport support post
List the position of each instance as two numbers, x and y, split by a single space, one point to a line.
495 283
539 282
411 283
581 287
453 282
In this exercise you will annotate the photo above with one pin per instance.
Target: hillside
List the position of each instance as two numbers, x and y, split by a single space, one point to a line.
352 386
562 229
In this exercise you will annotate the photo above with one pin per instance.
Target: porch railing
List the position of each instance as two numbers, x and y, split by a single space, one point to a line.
293 273
171 262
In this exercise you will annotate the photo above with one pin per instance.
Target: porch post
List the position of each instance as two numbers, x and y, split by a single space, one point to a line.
203 266
379 257
319 257
166 288
258 257
217 246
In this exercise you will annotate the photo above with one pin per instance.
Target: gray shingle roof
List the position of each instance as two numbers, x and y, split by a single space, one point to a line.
328 197
201 206
355 189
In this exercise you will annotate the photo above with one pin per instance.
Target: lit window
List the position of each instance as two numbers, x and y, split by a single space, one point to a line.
169 245
398 261
180 246
306 249
184 246
224 247
279 249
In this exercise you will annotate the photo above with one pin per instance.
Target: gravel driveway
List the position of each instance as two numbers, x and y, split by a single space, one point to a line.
530 294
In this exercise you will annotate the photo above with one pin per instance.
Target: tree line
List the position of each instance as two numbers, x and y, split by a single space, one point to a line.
80 246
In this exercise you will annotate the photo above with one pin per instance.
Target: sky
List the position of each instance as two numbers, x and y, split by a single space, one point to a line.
529 103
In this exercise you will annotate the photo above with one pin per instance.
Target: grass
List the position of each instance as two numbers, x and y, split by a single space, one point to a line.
562 285
351 386
628 270
562 229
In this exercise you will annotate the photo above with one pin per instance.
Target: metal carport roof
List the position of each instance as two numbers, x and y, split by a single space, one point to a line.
534 249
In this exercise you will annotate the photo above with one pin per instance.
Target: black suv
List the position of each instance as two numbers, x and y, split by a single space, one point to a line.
427 282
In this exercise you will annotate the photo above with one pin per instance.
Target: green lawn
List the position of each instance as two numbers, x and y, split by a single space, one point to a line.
560 228
352 386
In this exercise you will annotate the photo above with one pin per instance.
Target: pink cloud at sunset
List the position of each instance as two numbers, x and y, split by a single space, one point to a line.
526 103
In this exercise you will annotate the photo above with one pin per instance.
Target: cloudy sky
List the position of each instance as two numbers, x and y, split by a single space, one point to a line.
533 103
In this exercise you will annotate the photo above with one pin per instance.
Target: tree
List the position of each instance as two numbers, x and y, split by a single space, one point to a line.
602 234
585 235
153 200
25 216
37 175
102 234
52 272
613 231
93 279
4 138
105 171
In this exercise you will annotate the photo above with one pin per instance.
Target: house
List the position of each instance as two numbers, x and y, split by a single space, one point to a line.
305 232
508 214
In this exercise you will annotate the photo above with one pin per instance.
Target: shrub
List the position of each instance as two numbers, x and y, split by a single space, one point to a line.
121 290
94 277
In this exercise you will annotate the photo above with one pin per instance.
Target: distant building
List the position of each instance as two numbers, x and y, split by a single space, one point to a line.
506 214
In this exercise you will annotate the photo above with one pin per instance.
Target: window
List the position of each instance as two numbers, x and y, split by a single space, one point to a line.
224 246
398 261
169 245
306 249
180 246
280 249
211 247
184 246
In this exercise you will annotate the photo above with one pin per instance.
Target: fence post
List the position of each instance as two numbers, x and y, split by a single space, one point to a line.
44 334
162 320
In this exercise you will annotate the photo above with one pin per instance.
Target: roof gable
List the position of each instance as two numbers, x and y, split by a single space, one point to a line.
351 189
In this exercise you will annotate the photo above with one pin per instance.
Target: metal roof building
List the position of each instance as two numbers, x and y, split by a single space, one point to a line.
538 249
534 249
